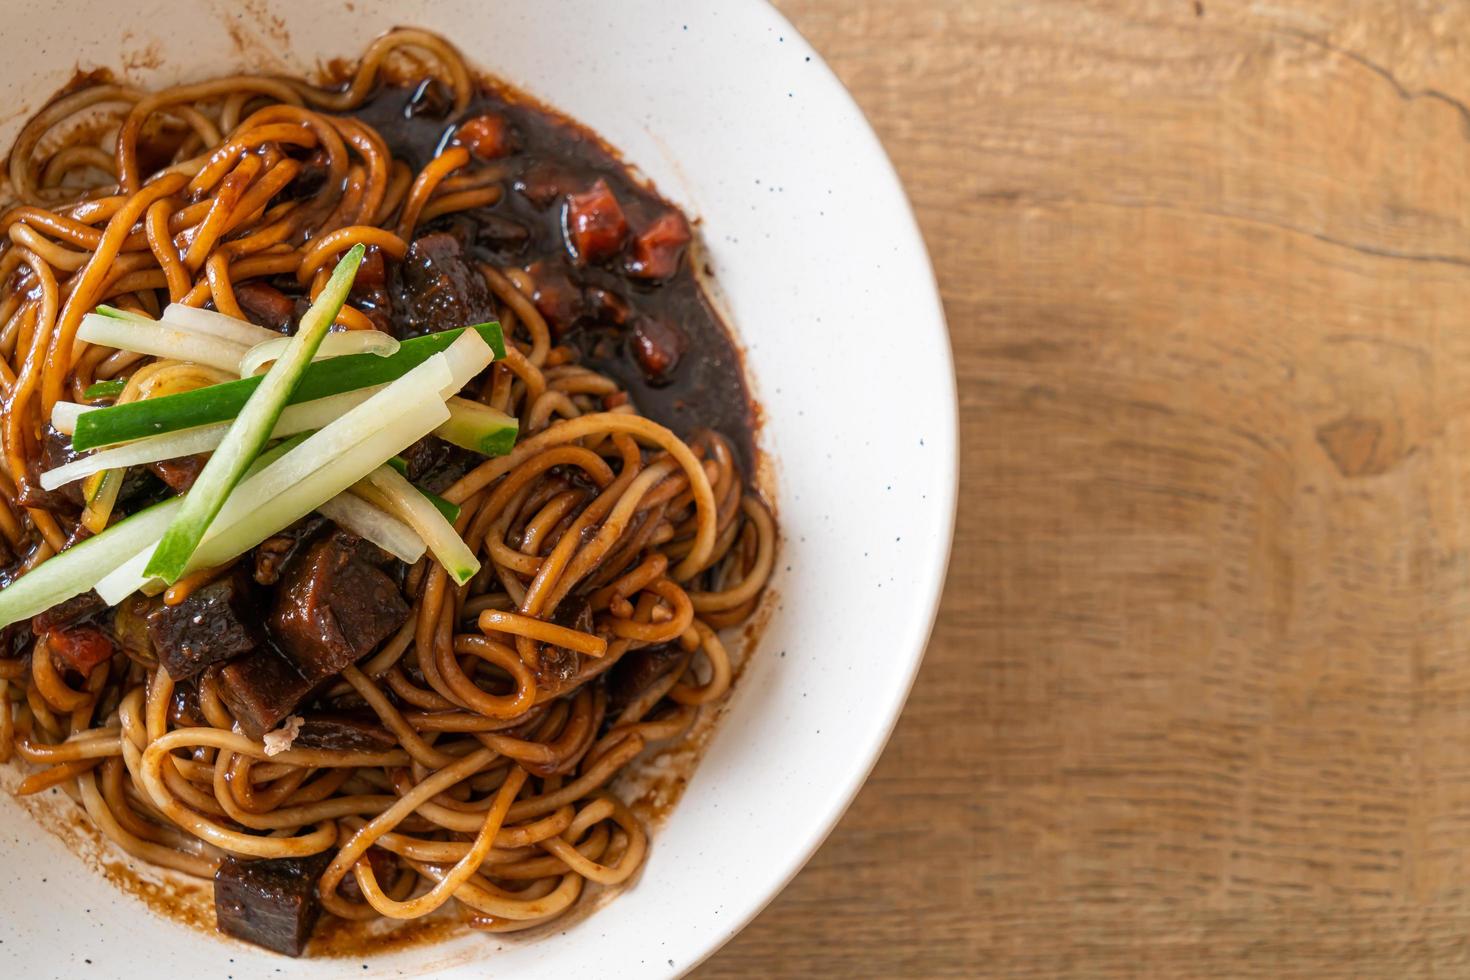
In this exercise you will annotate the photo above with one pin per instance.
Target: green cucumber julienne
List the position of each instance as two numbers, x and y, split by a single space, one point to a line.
105 389
479 428
81 566
222 402
252 428
87 562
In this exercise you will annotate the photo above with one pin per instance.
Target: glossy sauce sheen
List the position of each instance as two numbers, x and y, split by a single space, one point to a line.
706 388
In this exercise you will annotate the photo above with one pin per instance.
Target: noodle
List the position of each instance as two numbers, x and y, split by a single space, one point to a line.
500 705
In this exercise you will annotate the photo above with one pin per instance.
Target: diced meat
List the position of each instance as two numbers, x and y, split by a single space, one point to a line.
183 707
556 667
557 664
213 623
343 733
385 868
333 607
130 628
637 671
425 457
272 554
574 613
487 136
657 346
180 473
557 298
363 549
55 451
372 272
310 178
79 648
421 455
69 613
606 306
271 903
369 294
435 464
432 100
265 305
15 639
659 247
544 182
441 289
593 223
261 689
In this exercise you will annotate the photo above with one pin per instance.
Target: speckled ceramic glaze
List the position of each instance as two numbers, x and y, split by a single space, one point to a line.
818 262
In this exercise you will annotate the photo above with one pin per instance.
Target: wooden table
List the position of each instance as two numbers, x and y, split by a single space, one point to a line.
1198 703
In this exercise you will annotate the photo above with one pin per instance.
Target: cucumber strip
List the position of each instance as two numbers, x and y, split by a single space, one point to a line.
333 345
414 420
160 340
321 466
374 524
186 442
103 309
296 418
337 450
84 564
331 460
87 563
450 511
479 428
250 431
212 324
411 507
104 389
141 553
95 427
100 494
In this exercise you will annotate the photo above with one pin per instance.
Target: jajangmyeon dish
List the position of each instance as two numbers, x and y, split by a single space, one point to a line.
375 488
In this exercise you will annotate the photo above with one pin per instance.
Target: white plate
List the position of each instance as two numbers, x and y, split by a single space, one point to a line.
821 266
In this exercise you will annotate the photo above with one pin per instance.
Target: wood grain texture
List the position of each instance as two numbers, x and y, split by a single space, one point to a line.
1198 702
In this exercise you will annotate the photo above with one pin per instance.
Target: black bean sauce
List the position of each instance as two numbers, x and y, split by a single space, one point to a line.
657 337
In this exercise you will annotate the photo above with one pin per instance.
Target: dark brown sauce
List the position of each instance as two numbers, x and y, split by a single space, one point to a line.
706 388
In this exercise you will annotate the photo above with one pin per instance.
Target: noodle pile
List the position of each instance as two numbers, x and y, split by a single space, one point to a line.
496 797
